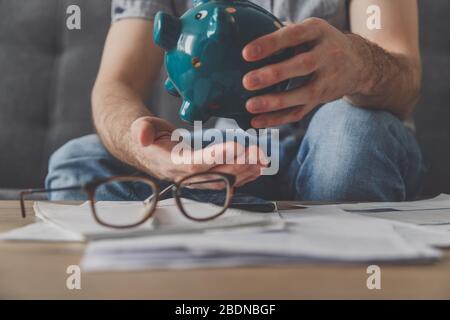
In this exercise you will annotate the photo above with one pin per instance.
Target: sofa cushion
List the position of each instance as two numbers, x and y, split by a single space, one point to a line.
433 112
47 73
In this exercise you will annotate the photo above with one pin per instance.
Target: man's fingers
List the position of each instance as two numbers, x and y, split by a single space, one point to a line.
287 37
300 65
245 178
255 155
162 127
311 94
204 159
229 157
255 161
274 119
205 182
248 166
143 131
221 153
243 173
146 130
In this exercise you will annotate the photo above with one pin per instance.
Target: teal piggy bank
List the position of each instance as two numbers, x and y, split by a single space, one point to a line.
204 57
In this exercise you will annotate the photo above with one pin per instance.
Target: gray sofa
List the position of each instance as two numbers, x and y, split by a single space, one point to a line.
47 72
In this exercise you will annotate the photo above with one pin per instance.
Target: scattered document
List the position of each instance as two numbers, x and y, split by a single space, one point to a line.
421 217
432 212
440 202
322 239
42 232
354 233
438 238
313 211
443 227
78 219
412 228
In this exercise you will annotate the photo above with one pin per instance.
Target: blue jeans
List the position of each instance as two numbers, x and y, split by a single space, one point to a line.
347 154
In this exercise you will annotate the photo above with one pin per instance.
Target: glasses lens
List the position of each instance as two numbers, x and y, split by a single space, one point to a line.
212 190
112 212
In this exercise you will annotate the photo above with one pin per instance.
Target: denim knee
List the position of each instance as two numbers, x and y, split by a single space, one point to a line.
87 146
351 154
77 162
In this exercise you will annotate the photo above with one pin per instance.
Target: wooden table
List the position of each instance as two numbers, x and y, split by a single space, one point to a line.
38 270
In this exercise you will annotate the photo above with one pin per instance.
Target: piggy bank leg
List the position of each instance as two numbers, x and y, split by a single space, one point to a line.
171 88
190 112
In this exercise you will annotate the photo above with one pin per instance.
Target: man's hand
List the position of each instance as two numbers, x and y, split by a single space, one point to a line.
378 68
334 61
153 149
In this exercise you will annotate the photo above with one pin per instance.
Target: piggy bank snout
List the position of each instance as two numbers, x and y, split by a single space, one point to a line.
190 112
166 30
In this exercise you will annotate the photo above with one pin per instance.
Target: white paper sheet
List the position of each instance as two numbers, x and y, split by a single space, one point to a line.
41 232
312 239
404 225
419 217
440 202
78 219
313 211
424 235
314 234
442 227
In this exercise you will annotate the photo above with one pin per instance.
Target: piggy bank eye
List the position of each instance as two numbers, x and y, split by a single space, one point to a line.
201 15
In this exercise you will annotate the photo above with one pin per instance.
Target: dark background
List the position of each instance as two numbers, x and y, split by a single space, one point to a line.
47 72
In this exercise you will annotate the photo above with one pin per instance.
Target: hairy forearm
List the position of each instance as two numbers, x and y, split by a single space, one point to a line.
115 107
388 81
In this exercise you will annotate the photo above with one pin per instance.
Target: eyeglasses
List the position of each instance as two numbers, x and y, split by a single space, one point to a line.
214 188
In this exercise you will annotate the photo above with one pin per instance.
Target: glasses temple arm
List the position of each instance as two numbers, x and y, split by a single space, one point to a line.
163 192
25 193
167 189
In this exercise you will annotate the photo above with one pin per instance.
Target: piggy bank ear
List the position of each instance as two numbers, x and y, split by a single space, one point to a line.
166 30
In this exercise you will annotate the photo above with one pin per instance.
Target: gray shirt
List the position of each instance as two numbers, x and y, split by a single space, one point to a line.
334 11
166 106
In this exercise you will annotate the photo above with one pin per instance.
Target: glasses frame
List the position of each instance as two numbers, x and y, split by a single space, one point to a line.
176 188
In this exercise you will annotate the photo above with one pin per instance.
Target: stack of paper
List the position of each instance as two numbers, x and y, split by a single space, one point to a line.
43 232
312 239
412 233
313 234
67 223
167 219
433 213
359 233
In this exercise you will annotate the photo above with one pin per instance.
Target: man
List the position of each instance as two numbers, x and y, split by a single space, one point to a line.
364 84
